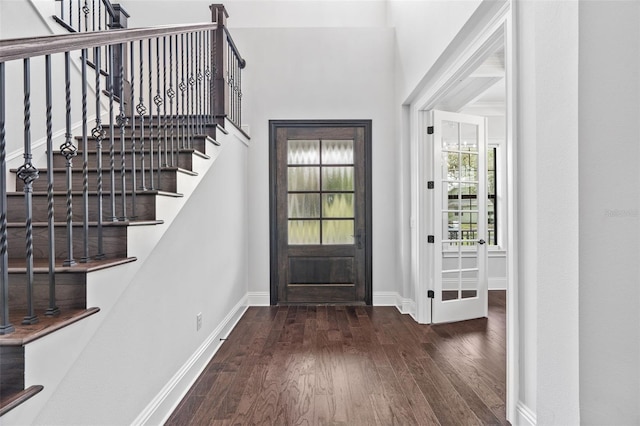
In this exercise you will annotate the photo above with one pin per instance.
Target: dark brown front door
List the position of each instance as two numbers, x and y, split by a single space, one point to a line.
320 211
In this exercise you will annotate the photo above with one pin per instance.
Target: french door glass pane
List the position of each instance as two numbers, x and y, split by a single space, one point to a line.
450 135
337 152
337 178
469 133
337 205
303 178
304 232
337 232
303 152
304 206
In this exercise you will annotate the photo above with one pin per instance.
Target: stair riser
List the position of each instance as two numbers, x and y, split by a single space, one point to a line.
198 143
145 207
114 242
180 159
71 292
167 181
11 369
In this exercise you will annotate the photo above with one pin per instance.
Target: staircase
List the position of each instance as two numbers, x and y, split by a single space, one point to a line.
76 218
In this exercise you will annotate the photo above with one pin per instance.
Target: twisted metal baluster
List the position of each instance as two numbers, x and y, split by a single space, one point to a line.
171 94
192 82
239 123
141 110
151 179
68 150
132 100
122 122
52 309
197 82
207 74
5 326
158 101
85 163
93 15
28 173
100 16
112 142
98 134
183 87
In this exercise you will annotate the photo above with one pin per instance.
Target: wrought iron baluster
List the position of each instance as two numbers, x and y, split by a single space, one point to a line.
99 15
171 93
239 122
28 173
93 15
85 163
207 74
132 101
122 122
112 142
68 150
183 88
158 101
52 309
70 13
5 325
197 82
141 109
150 62
192 82
164 104
98 134
86 11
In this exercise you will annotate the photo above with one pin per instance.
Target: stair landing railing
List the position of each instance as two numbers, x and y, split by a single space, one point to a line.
177 82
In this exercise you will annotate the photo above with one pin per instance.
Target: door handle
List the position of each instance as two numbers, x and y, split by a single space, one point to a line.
481 241
359 238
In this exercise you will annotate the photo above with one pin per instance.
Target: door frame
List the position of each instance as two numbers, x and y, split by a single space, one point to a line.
492 23
274 125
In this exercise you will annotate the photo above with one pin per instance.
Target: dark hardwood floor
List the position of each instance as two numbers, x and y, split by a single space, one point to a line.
340 365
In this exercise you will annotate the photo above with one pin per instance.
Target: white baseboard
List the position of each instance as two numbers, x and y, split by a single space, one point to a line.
524 415
385 298
258 298
161 407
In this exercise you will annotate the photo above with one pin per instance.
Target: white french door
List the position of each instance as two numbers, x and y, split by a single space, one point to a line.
459 217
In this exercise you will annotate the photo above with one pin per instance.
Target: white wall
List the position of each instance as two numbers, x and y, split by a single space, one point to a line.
548 209
609 153
321 73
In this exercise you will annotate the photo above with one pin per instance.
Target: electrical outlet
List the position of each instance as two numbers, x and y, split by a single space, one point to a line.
199 321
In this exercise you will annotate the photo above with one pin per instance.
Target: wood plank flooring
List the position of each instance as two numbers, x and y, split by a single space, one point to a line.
341 365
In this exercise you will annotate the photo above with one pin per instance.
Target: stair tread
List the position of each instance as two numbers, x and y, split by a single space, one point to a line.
105 224
46 325
41 266
9 402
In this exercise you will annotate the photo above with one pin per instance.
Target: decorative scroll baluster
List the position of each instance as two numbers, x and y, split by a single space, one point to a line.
86 10
52 309
85 162
196 73
207 74
150 62
132 101
112 142
68 150
141 109
5 325
158 101
98 134
122 122
93 15
192 83
28 173
99 15
200 77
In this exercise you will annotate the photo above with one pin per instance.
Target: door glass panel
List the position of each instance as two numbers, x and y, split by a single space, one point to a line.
304 232
450 135
337 232
469 133
304 206
337 152
469 166
450 166
450 285
337 205
303 152
303 178
337 178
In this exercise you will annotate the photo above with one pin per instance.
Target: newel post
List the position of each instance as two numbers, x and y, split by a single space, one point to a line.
219 66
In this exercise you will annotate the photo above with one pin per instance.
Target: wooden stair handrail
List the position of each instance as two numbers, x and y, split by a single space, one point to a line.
29 47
